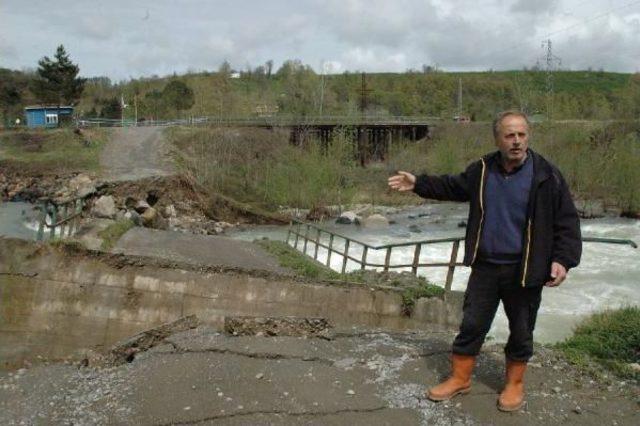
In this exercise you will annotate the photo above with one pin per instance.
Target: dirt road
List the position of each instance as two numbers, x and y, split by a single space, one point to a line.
134 153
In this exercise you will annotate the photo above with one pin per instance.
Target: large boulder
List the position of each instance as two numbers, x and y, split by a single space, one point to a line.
347 218
142 206
104 207
152 219
375 221
82 185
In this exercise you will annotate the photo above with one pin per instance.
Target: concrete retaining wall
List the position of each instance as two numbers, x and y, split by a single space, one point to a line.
53 302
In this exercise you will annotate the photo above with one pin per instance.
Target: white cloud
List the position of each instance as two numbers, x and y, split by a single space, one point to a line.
123 39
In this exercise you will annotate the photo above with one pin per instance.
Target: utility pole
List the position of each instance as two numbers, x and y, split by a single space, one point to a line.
363 94
551 61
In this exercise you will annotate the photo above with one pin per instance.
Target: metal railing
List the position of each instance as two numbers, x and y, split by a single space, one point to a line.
311 234
64 218
270 120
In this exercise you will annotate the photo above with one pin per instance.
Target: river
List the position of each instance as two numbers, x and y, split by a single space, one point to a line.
606 278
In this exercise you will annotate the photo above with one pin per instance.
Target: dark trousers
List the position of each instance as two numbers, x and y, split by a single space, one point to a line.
488 285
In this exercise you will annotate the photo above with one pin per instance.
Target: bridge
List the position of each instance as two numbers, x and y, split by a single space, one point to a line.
373 133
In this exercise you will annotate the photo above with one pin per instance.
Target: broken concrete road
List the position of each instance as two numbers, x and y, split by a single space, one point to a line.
203 377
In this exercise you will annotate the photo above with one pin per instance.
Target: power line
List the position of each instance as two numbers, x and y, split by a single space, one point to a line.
593 18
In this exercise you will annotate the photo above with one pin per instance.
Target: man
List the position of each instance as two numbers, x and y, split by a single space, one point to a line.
523 233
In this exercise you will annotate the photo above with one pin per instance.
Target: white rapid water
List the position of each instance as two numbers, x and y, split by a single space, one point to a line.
606 278
21 220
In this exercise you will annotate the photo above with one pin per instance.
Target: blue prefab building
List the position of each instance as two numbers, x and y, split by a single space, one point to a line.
47 116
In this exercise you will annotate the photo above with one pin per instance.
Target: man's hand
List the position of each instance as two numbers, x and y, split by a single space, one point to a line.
403 181
558 274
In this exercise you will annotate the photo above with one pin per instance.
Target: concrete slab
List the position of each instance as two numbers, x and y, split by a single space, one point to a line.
197 249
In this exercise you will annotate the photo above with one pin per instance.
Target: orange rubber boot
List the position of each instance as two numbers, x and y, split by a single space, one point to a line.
512 397
459 382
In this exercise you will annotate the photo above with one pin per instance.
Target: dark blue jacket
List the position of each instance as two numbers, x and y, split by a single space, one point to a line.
553 226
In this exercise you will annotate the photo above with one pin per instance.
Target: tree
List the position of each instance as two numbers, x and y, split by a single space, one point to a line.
111 108
57 80
178 95
10 95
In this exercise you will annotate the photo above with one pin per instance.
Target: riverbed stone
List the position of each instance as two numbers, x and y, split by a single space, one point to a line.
104 207
348 218
375 221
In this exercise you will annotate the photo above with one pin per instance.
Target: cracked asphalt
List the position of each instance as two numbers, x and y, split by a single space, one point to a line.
204 377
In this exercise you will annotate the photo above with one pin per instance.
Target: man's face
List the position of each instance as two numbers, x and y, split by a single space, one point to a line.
513 139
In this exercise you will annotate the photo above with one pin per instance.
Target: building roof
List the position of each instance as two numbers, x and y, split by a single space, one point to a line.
48 107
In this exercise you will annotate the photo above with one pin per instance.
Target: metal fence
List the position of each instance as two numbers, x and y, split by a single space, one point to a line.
313 233
64 218
308 234
273 120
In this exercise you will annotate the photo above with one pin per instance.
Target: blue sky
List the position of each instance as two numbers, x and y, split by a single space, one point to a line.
123 39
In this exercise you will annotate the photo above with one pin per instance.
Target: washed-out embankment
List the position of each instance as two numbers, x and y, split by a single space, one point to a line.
56 300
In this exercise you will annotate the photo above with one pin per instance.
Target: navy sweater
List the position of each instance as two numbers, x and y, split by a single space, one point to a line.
506 199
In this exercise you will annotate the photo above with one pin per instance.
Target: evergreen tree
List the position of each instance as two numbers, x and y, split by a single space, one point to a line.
57 80
178 95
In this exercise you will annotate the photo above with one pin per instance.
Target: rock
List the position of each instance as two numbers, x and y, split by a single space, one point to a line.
170 211
142 206
134 217
577 410
415 229
630 214
347 218
259 376
148 217
635 367
82 185
590 209
557 389
375 221
104 207
151 219
351 392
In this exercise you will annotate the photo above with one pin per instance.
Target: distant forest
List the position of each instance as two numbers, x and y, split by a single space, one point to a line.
296 89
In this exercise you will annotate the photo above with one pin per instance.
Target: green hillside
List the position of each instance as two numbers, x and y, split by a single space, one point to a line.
296 89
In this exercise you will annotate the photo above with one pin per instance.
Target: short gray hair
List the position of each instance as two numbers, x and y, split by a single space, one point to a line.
497 121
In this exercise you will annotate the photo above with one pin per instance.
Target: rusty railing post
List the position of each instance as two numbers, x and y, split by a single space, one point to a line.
346 254
65 215
315 252
295 245
329 250
452 266
364 257
387 259
306 239
54 219
416 259
43 220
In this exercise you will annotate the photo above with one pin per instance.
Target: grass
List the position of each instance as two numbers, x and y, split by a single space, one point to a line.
112 233
610 339
412 287
261 168
53 150
288 257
